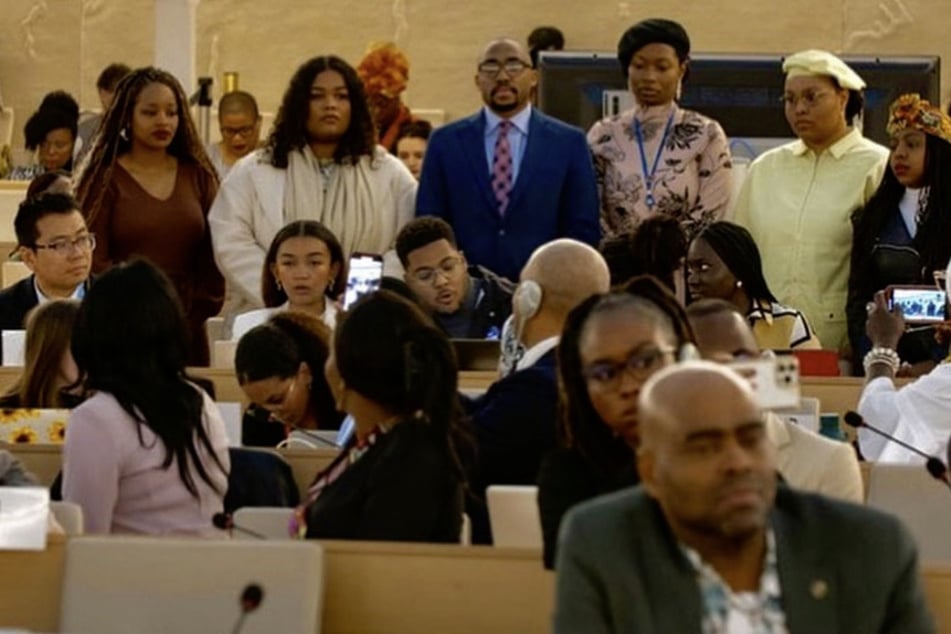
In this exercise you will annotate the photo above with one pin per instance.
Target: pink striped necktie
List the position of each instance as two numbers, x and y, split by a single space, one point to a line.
502 167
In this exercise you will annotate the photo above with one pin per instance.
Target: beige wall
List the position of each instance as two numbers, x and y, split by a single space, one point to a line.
49 44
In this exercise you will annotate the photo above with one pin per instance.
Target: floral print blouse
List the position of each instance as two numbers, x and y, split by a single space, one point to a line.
692 178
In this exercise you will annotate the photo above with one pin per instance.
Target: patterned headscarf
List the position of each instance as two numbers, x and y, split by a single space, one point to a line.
912 112
384 70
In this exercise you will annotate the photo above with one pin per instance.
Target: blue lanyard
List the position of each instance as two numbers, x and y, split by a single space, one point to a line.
649 175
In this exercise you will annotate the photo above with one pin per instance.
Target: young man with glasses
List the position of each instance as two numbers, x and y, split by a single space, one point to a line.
55 244
468 302
509 178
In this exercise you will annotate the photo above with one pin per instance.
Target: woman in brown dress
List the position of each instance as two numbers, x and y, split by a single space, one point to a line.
146 191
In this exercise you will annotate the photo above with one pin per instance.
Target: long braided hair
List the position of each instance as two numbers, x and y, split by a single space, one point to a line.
115 138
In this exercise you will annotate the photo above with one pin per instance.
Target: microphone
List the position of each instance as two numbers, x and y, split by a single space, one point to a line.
251 598
936 468
225 522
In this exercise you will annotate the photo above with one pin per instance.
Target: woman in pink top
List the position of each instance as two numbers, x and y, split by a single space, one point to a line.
147 452
146 191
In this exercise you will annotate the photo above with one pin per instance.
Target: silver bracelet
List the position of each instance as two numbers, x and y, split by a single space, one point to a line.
882 356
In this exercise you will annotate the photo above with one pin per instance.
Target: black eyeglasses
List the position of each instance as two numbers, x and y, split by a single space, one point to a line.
607 375
512 67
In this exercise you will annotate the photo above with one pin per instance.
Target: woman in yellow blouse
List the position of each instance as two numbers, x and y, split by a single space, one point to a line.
658 157
797 199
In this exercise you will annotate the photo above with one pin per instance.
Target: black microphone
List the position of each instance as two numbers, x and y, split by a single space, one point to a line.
225 522
251 598
934 465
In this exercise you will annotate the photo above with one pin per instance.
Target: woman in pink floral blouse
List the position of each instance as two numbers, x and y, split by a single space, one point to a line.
658 157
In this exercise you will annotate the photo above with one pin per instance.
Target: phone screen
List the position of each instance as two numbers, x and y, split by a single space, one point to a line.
366 270
920 304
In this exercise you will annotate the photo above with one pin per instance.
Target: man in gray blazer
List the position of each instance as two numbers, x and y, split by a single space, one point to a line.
709 544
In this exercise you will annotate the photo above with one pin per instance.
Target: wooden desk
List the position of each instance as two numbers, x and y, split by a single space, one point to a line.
384 587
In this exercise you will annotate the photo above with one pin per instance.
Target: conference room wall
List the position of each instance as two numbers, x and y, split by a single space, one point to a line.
47 44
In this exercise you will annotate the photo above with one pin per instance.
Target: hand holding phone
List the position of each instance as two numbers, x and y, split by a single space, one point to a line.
919 304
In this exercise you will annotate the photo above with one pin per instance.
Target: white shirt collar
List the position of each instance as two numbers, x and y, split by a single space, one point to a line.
78 292
536 352
520 121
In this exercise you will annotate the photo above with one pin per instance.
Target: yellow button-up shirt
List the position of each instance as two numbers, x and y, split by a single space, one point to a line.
798 206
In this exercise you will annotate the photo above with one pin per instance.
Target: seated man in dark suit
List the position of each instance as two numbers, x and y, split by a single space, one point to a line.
56 246
509 178
710 544
468 302
514 421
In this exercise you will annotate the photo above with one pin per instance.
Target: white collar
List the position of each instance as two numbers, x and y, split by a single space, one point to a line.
536 352
78 292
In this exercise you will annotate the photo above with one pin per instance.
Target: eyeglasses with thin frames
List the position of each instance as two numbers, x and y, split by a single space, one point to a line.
65 246
512 67
641 364
447 268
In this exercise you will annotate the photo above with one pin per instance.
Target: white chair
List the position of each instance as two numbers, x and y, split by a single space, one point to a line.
70 517
222 354
269 521
465 535
117 584
513 514
806 414
922 503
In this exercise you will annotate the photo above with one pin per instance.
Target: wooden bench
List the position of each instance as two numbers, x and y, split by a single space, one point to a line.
384 587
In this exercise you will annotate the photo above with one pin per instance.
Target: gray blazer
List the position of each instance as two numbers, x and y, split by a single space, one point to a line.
843 569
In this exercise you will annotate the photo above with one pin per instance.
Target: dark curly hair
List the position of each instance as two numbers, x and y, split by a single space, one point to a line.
290 125
58 110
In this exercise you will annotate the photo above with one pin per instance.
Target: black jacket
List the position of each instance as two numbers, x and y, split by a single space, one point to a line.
15 302
404 488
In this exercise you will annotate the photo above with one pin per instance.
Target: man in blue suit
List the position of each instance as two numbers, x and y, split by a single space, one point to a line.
509 179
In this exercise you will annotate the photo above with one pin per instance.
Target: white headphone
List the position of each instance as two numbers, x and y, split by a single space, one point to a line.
526 301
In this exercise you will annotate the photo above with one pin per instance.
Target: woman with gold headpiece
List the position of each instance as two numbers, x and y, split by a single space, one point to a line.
797 199
385 73
903 234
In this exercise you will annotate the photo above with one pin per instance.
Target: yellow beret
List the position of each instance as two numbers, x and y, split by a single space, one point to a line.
815 62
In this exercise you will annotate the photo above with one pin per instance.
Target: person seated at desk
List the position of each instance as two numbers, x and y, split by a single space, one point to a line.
723 262
711 543
401 479
54 243
611 343
806 460
514 421
304 271
280 368
51 132
48 369
657 247
468 302
917 413
147 452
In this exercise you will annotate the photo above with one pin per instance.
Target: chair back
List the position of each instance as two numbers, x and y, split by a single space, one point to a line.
513 514
259 477
920 501
270 521
117 584
69 515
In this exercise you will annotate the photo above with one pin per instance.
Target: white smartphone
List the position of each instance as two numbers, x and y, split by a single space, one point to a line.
919 304
775 379
364 274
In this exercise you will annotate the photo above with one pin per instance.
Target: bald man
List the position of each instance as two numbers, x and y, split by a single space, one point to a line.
509 178
709 543
240 124
514 421
805 459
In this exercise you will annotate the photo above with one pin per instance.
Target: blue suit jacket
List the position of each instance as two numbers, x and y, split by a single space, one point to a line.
554 196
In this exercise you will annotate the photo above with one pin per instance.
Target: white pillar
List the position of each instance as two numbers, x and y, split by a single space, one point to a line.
175 40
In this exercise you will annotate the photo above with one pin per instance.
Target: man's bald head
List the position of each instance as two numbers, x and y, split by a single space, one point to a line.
508 43
568 273
704 455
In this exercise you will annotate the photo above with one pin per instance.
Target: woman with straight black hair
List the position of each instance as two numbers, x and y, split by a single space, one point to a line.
903 234
723 262
147 452
610 345
280 367
321 162
401 478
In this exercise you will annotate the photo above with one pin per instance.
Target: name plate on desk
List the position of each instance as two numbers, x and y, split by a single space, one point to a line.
24 514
